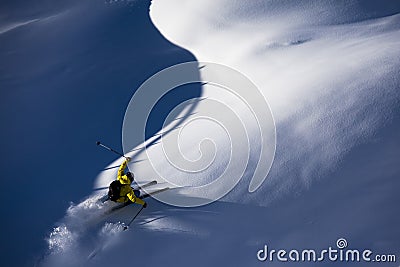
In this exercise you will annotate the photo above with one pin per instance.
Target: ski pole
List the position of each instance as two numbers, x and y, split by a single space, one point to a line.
126 226
110 149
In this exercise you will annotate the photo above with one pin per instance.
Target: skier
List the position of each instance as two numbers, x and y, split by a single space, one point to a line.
121 191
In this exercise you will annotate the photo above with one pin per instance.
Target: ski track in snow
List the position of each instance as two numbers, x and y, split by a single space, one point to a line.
332 84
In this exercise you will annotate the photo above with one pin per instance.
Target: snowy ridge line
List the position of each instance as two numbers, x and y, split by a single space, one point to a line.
13 26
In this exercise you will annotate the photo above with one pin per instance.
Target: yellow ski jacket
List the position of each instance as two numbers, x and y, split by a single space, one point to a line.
126 193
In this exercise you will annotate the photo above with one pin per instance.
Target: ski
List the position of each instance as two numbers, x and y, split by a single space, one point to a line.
145 185
103 199
117 207
154 192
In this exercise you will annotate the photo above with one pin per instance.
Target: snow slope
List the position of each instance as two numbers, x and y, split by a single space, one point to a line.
329 71
67 72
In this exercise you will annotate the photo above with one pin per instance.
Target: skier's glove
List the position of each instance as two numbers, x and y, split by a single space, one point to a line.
145 205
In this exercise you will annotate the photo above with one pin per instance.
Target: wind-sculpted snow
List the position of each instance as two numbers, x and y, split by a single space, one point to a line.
329 72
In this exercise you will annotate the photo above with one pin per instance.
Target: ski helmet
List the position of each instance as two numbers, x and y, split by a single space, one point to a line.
130 175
